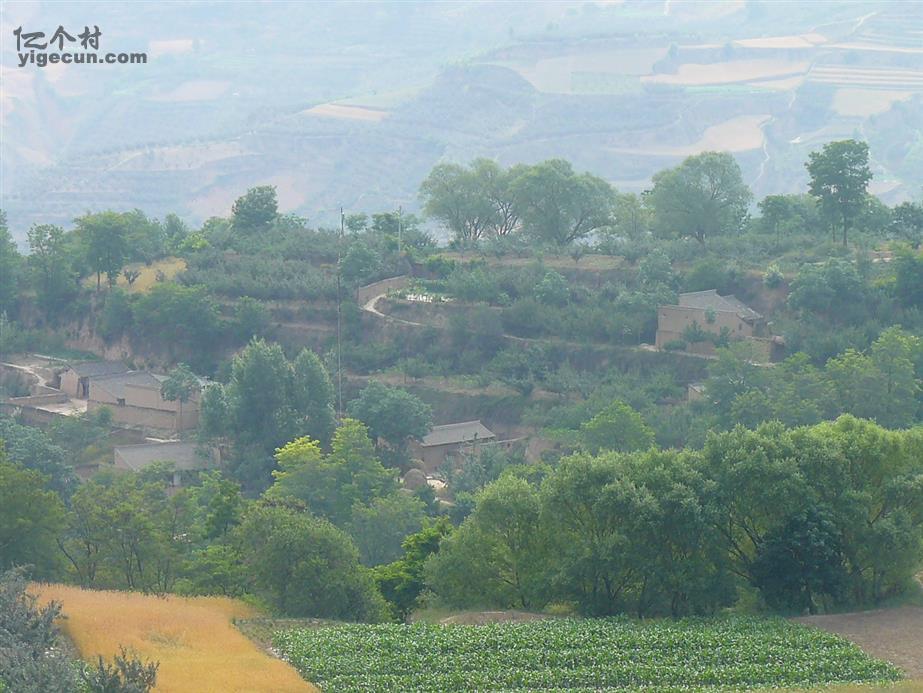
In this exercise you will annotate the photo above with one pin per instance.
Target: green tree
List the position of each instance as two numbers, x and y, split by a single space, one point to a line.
702 197
10 263
332 485
834 290
787 214
840 175
305 566
591 558
380 527
802 562
558 206
181 384
125 532
617 427
495 557
145 238
632 220
756 484
313 397
103 237
360 264
392 414
907 223
51 261
251 319
908 272
175 231
552 290
256 210
184 319
30 519
459 198
31 659
402 581
35 450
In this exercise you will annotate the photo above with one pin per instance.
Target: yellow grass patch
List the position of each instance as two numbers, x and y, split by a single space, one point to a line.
170 266
199 649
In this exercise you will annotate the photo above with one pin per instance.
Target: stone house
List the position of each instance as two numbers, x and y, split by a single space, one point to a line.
713 314
77 377
135 401
443 442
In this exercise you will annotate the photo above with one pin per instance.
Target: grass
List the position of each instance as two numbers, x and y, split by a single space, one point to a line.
726 654
193 639
170 266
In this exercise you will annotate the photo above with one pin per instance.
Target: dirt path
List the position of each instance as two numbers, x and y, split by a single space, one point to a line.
895 635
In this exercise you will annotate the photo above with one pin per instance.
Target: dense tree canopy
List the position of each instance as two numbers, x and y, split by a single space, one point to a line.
840 175
704 196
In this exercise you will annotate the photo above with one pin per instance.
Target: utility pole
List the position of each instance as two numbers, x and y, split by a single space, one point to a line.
400 218
340 320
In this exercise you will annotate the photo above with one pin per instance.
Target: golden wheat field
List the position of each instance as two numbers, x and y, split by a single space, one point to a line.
194 639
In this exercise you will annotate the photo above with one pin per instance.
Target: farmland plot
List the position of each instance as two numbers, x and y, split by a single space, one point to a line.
587 655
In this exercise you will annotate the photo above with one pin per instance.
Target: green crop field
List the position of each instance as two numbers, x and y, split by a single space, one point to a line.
587 655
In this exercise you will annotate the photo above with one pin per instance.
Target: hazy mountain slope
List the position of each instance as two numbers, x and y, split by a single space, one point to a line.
352 104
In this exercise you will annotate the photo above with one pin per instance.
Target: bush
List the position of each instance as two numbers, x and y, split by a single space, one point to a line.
772 278
127 674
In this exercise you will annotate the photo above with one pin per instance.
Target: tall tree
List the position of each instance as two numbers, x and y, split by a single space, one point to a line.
105 245
313 397
30 519
331 485
392 414
702 197
51 261
305 566
256 210
181 384
453 194
617 427
496 556
907 223
558 205
840 175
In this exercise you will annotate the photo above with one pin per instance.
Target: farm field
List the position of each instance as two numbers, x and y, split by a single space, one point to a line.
194 639
582 655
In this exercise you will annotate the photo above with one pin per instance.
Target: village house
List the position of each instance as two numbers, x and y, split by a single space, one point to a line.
713 314
76 379
443 442
135 401
185 458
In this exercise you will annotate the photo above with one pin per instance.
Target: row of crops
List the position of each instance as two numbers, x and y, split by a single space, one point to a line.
589 655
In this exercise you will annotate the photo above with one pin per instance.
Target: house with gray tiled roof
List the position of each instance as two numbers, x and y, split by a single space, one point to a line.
445 441
712 313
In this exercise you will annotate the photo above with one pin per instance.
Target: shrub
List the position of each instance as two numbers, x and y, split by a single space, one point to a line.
772 277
